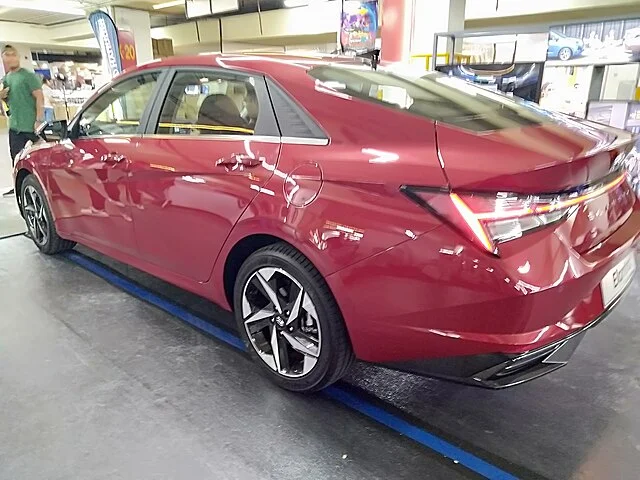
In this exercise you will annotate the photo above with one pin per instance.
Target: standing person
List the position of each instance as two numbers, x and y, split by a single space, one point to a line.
47 92
22 90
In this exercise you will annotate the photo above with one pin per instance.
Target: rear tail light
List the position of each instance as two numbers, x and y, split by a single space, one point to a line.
630 162
490 219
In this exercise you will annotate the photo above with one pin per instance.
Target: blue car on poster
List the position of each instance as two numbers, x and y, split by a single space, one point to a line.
563 47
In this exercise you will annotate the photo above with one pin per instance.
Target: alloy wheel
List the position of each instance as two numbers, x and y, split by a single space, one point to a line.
35 215
281 322
565 54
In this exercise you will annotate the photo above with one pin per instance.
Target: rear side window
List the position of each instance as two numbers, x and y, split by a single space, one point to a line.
293 121
215 103
434 96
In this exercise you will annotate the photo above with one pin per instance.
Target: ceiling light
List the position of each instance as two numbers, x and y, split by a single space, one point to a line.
176 3
43 6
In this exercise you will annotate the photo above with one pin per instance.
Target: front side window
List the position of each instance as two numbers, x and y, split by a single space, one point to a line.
120 109
210 103
434 96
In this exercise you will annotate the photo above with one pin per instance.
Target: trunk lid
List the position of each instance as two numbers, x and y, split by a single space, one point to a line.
549 157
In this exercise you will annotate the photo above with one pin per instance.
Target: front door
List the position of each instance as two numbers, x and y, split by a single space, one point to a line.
88 173
211 150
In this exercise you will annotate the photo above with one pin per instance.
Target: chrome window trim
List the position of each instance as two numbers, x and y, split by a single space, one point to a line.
305 141
236 138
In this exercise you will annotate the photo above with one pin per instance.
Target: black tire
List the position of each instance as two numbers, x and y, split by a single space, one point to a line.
565 54
335 353
48 242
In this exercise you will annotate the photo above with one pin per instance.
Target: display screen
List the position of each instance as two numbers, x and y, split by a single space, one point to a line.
517 79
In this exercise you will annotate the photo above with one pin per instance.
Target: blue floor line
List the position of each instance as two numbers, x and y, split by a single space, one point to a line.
336 393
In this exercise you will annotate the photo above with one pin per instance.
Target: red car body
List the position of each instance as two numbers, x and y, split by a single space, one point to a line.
416 292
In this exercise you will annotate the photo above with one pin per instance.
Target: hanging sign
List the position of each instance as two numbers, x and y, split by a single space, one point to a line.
359 26
127 47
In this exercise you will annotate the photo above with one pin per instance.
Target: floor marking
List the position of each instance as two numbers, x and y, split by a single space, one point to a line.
335 392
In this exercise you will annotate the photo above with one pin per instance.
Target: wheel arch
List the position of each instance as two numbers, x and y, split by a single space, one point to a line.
239 253
21 175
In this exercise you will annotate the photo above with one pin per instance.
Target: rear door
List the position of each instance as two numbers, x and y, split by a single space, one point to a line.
211 145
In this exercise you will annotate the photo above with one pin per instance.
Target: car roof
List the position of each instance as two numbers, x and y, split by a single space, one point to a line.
276 64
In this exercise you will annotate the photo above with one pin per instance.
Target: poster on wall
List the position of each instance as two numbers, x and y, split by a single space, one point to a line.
359 26
517 79
594 43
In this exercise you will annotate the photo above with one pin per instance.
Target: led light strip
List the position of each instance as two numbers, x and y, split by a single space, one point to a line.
541 209
472 220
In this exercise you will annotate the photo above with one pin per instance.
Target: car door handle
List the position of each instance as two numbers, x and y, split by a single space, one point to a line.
112 158
239 159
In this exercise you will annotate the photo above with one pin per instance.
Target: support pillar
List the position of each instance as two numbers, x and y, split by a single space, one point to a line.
138 22
409 26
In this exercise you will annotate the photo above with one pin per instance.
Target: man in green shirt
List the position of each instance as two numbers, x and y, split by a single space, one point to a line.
22 90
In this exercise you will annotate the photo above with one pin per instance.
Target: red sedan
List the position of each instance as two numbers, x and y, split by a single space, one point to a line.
343 212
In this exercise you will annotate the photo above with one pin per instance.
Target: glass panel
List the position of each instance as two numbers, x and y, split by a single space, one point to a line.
433 96
119 110
207 103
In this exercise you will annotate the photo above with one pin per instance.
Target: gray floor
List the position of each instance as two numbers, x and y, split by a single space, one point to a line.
96 384
5 161
11 222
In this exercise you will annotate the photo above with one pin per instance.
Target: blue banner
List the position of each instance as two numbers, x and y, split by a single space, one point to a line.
107 35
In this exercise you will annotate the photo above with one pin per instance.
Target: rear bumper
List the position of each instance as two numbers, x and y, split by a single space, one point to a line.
438 305
496 371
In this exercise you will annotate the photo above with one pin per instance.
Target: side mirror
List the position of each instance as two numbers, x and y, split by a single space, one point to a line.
54 131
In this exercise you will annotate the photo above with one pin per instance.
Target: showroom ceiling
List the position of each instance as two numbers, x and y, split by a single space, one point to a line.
46 12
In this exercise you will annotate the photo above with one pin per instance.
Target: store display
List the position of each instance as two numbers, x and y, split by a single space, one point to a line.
566 89
72 84
518 79
616 113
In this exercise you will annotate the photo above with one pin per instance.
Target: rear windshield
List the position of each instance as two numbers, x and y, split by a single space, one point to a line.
434 96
